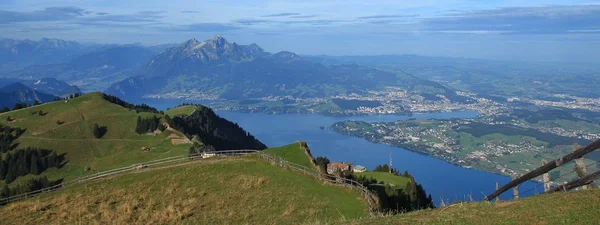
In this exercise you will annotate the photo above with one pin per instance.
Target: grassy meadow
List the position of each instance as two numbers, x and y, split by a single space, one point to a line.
66 126
181 110
580 207
214 191
388 178
292 153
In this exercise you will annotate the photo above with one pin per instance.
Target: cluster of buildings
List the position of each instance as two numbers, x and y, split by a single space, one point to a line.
338 167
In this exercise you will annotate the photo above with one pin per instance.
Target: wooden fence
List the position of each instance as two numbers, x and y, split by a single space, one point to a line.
577 154
368 195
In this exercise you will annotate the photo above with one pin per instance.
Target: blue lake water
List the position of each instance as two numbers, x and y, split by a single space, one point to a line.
439 178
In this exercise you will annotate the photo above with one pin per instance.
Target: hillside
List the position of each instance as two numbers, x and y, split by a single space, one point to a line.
292 153
579 207
181 110
97 132
243 190
398 182
74 138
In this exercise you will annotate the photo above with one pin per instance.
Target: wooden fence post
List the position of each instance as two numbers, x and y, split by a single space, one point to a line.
516 188
497 197
546 178
580 168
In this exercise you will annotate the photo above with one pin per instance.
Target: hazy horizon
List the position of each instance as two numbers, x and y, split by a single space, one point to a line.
503 30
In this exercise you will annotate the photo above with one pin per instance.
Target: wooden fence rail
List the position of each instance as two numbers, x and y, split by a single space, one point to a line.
371 198
580 152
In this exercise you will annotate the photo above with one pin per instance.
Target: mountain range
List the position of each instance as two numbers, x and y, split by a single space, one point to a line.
16 54
19 93
94 70
210 69
222 70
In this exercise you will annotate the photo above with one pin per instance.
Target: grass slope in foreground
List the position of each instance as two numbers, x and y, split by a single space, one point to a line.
120 146
292 153
216 191
579 207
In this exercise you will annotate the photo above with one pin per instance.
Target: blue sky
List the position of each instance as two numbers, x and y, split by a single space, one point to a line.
534 30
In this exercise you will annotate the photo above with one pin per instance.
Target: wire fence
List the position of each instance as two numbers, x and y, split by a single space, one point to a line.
553 180
371 198
585 179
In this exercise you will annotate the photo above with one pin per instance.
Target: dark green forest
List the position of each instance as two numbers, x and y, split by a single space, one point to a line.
138 108
148 125
397 200
214 130
15 163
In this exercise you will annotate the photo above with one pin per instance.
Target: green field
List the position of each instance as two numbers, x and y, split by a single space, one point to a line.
292 153
215 191
398 182
120 146
580 207
181 110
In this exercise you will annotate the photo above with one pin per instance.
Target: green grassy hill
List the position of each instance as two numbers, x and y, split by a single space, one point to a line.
293 153
579 207
181 110
120 146
243 190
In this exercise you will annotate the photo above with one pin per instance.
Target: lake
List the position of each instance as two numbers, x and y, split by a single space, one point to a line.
439 178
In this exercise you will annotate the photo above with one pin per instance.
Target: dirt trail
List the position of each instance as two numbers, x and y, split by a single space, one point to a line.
203 161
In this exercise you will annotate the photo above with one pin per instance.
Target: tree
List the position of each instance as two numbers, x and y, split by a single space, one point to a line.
10 172
4 191
18 131
4 109
33 169
2 170
20 106
322 162
98 130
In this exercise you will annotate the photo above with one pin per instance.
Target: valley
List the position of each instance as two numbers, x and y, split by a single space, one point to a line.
299 112
508 147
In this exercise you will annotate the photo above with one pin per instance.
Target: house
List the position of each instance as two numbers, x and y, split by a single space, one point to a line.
335 167
359 169
208 154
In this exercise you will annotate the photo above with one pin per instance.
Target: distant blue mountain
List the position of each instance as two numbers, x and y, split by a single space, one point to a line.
49 86
15 54
227 70
92 71
14 93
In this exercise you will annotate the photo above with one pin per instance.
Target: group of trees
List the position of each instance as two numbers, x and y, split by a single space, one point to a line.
32 184
322 162
137 108
27 161
7 136
214 131
99 131
392 199
148 125
387 169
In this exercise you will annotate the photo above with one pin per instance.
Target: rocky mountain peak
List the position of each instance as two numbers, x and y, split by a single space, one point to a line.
212 50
